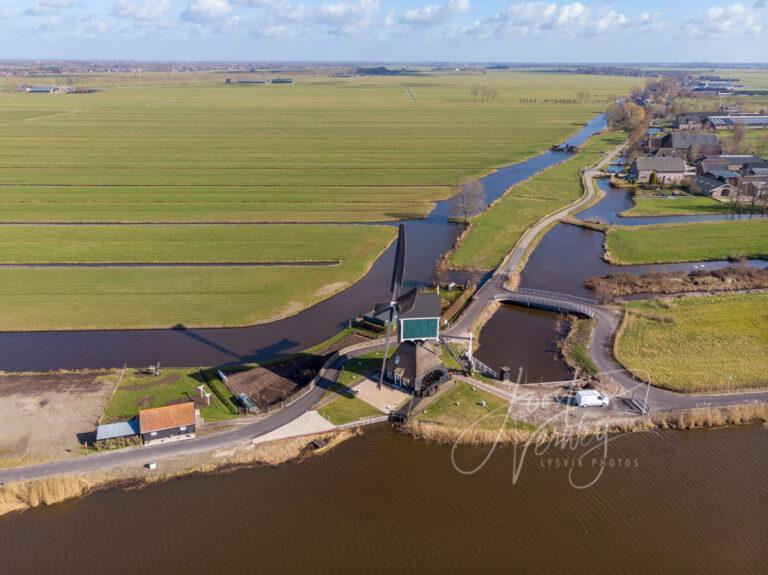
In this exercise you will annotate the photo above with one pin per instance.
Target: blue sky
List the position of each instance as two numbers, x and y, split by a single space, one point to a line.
387 30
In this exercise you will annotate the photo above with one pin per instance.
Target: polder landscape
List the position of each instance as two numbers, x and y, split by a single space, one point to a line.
221 239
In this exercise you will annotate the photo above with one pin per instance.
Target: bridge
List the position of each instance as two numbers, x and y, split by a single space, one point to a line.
550 301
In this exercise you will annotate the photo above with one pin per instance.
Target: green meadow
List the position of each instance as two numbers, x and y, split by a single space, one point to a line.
698 344
173 149
679 206
701 241
495 232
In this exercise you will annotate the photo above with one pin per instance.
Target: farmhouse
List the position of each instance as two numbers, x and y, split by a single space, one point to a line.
168 423
689 121
666 170
43 89
712 188
694 144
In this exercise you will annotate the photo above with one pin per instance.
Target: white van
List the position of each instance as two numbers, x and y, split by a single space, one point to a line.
591 398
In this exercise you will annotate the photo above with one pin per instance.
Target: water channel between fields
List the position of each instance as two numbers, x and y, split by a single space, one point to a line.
181 347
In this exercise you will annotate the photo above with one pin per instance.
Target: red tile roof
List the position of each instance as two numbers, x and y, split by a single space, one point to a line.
169 417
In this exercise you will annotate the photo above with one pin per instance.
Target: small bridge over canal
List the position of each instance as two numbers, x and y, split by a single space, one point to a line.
552 301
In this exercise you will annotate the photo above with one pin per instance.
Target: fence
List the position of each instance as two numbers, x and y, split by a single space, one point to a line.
478 365
640 403
328 363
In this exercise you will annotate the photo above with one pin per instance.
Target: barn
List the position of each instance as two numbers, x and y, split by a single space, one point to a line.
169 423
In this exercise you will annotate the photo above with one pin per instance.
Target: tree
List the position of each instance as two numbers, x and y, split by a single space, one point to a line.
475 91
738 135
440 273
629 117
469 199
761 147
653 179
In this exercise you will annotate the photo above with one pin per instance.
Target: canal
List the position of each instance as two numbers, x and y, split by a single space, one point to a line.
666 501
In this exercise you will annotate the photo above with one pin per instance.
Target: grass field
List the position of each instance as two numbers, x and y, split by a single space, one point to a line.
345 409
80 298
687 242
321 149
169 148
495 232
678 206
469 411
698 344
139 391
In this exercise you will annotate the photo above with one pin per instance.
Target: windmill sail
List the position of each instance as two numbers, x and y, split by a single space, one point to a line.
397 283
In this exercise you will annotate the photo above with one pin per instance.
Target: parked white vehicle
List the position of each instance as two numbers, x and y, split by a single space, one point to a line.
591 398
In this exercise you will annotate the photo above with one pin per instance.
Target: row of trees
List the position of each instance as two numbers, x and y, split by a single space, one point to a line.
482 93
629 117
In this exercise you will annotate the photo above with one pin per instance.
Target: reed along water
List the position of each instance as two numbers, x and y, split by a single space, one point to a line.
667 501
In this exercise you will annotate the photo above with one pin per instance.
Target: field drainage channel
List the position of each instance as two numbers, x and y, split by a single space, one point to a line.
170 265
428 239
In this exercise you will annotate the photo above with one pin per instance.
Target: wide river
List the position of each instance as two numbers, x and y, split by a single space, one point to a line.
666 502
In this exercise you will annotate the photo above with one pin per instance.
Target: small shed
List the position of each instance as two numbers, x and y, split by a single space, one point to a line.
168 423
117 430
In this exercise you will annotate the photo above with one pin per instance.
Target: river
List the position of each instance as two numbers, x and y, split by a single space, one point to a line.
667 501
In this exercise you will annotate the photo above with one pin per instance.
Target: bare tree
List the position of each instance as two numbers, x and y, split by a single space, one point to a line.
738 135
475 91
469 200
761 147
440 273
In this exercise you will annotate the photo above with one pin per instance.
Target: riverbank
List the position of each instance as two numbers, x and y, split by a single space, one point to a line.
16 497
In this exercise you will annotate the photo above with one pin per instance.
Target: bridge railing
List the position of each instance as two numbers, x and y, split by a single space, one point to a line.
556 295
560 304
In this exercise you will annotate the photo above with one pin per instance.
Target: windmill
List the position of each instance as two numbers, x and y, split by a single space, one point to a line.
415 360
397 283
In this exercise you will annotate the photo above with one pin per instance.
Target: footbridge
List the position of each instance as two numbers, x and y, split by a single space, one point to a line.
550 301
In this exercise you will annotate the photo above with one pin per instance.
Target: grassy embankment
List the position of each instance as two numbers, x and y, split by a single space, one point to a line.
494 233
182 148
575 348
679 206
138 391
687 242
698 344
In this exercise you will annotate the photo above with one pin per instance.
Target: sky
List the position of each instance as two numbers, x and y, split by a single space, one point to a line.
609 31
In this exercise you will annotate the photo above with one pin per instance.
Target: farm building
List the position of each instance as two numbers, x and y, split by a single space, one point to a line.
117 430
168 423
728 122
43 90
689 121
712 188
666 170
694 144
733 163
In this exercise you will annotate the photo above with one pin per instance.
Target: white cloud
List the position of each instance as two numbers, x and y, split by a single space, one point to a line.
206 10
48 7
435 13
145 11
525 19
732 20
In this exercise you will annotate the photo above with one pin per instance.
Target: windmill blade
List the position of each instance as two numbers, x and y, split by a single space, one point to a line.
399 269
386 347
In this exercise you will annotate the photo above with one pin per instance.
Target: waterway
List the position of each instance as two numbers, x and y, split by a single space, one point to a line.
666 502
427 240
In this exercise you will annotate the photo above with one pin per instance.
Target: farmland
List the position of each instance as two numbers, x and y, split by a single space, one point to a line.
495 232
698 344
173 150
678 206
687 242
